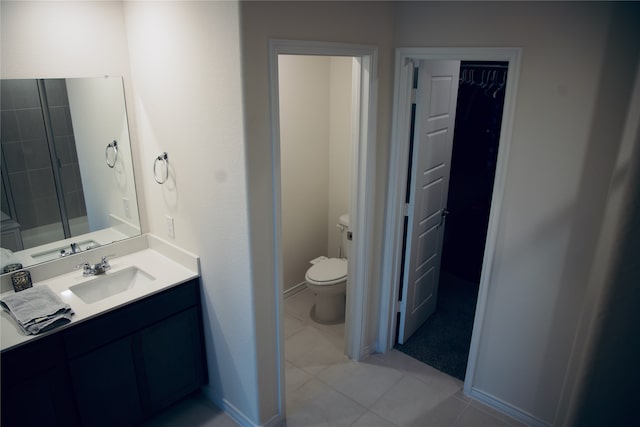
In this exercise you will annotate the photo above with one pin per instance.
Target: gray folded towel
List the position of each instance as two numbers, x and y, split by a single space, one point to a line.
37 309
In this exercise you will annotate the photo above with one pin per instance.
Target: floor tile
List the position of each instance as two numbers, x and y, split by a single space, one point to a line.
460 395
294 378
299 304
369 419
409 400
333 330
304 341
474 417
292 325
316 404
496 414
324 388
312 350
319 359
444 414
419 370
195 410
363 382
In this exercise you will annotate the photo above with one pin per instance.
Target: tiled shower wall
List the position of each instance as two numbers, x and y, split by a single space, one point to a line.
65 145
26 153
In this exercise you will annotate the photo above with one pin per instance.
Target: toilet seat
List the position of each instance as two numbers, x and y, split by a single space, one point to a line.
327 272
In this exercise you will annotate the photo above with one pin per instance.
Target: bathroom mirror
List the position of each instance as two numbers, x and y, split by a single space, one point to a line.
67 173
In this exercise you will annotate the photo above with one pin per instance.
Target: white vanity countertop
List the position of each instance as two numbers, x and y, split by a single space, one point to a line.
166 271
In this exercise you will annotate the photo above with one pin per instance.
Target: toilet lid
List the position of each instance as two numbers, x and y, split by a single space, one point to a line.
328 270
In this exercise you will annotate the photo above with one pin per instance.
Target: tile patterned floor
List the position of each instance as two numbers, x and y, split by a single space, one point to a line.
324 388
196 410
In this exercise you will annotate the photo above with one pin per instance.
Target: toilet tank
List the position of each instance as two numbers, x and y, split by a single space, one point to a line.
343 224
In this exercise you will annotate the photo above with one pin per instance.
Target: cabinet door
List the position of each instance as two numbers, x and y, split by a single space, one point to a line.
105 386
36 389
172 359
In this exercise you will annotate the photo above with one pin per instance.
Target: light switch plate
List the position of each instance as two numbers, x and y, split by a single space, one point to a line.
170 228
127 207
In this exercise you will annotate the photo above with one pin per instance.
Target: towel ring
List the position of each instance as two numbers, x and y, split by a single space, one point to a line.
114 146
165 159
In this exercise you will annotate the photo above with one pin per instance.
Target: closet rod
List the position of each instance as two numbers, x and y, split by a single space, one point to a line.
483 66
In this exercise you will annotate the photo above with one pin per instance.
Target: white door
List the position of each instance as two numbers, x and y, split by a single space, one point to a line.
436 97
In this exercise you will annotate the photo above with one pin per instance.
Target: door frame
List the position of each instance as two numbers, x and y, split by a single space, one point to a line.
361 221
398 167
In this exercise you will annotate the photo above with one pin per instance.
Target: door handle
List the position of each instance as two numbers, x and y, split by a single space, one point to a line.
443 217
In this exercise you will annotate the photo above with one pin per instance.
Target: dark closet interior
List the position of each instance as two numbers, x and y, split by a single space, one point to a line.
473 166
443 340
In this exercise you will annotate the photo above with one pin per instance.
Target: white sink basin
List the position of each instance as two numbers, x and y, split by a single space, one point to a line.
111 283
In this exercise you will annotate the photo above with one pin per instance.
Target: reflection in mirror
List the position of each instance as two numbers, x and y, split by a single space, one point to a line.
64 189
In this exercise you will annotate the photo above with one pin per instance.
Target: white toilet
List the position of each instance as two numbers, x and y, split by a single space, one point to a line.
327 279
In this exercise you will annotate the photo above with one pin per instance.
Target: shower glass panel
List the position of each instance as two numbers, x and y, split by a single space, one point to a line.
64 145
41 176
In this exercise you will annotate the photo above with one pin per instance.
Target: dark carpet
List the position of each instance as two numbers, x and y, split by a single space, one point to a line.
443 340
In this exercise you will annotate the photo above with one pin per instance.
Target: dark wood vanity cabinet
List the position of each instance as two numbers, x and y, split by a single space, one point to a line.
36 390
108 395
172 364
123 366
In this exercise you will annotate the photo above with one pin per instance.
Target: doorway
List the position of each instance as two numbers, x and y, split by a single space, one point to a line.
363 96
396 205
442 340
316 146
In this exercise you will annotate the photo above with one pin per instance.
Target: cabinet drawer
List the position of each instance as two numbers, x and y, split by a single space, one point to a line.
124 321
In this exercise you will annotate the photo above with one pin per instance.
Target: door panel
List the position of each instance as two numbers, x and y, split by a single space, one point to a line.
435 152
424 289
427 249
433 129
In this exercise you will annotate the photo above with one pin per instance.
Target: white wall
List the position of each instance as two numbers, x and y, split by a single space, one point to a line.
187 96
185 65
340 148
304 155
99 117
607 350
191 102
370 24
52 39
555 190
556 187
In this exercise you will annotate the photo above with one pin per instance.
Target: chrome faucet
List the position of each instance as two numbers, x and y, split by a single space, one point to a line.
99 268
75 249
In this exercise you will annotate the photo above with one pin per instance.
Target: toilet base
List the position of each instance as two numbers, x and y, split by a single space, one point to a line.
328 309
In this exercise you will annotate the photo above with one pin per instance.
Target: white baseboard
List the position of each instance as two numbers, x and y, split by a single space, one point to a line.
508 409
275 421
237 415
227 407
295 289
366 352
